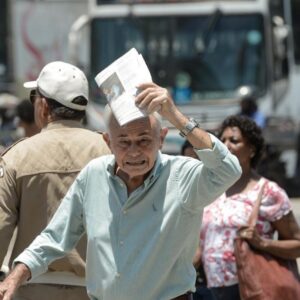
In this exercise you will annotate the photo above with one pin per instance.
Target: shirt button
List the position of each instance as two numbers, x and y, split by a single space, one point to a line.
121 243
118 275
124 211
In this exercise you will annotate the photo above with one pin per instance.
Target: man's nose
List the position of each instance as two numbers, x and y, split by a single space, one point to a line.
134 149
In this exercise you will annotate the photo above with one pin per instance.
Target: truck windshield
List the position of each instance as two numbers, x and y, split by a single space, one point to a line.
196 60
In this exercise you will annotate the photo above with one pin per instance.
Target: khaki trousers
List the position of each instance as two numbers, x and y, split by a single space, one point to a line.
51 292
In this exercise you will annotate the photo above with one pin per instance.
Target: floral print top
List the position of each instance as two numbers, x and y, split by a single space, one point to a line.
222 219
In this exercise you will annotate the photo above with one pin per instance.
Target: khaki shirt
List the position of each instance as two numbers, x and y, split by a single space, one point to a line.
35 174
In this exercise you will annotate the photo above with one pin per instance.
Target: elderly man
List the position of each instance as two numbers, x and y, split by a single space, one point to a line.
140 208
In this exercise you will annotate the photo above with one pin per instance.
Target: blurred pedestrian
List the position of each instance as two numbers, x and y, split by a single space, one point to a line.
250 109
25 118
139 207
223 219
35 174
8 134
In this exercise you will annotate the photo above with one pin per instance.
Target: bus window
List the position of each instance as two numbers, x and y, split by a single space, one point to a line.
182 45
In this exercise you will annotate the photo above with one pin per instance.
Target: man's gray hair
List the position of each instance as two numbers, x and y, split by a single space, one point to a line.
108 114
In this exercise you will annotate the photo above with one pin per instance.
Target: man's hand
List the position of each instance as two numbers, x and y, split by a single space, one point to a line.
7 290
155 98
9 286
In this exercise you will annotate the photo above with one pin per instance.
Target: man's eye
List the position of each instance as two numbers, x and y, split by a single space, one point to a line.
145 142
124 143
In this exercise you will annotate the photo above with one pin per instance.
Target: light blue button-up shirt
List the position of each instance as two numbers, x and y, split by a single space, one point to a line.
139 246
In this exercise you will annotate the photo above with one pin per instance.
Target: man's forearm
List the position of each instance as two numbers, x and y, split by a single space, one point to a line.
19 275
199 138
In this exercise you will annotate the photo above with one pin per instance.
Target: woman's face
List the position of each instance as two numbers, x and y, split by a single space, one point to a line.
238 145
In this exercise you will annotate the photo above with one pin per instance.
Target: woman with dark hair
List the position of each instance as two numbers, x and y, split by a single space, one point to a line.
188 150
223 219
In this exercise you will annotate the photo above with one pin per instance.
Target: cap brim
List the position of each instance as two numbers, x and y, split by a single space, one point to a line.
30 85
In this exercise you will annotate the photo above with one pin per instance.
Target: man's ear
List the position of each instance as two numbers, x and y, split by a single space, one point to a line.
106 139
45 111
163 133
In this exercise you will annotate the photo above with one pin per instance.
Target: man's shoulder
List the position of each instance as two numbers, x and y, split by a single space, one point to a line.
26 144
13 146
107 159
23 151
91 133
175 161
103 162
73 134
87 130
171 158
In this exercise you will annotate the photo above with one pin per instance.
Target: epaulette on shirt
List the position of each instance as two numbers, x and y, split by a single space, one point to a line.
12 145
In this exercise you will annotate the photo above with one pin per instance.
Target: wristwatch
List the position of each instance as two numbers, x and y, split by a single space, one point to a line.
190 125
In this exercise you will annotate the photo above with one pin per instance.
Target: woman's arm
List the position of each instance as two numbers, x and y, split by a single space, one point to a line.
288 245
197 258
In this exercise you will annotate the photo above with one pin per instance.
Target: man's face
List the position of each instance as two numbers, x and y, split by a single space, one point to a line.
135 145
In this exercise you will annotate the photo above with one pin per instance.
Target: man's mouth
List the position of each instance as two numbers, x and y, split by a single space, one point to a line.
136 163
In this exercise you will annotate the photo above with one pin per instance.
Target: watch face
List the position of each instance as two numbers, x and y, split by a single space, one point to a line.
189 127
191 124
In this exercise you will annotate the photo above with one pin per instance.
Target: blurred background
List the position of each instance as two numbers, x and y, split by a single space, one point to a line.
216 57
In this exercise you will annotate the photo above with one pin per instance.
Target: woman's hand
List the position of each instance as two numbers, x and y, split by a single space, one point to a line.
252 236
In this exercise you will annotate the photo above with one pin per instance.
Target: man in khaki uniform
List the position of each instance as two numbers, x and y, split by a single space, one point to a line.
35 174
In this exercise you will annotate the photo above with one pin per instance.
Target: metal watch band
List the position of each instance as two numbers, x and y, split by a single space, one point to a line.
191 124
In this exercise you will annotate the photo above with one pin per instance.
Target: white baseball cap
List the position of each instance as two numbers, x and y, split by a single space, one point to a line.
62 82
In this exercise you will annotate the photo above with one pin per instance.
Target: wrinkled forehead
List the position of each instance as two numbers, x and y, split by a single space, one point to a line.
137 127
